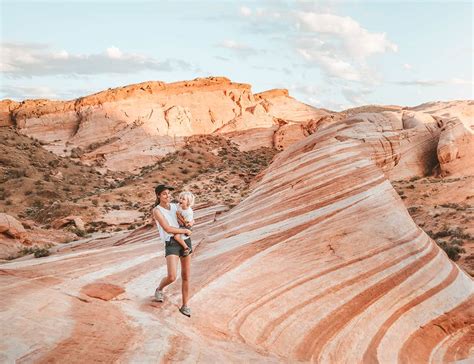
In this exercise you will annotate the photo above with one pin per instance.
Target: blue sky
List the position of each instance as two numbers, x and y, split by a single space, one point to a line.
332 54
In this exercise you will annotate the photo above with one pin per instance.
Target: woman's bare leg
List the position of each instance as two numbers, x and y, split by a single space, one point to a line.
171 265
185 275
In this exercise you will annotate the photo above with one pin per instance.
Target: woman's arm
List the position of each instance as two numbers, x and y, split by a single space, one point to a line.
166 227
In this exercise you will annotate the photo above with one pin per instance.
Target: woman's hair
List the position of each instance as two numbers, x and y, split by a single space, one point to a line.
157 202
188 196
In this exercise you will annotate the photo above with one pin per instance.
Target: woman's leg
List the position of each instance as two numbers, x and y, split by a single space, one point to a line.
171 265
185 275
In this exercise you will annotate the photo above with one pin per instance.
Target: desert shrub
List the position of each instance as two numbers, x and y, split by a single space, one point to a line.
16 173
41 252
37 251
79 232
412 209
53 163
453 251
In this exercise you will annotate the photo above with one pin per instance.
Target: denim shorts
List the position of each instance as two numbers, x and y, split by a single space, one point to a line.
172 247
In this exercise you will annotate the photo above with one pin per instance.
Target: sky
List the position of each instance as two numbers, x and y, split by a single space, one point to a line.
331 54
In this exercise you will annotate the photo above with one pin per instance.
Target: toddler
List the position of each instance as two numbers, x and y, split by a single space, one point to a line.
186 219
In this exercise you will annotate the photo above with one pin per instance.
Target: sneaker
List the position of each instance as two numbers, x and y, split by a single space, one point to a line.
159 295
185 310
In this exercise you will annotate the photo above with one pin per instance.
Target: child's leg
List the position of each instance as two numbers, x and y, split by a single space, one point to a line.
180 240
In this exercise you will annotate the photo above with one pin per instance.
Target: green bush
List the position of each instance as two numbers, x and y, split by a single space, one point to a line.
454 251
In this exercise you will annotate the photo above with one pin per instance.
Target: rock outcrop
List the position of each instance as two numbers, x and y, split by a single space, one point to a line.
320 263
13 235
324 240
456 149
130 127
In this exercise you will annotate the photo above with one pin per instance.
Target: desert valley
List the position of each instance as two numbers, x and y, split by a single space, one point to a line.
321 236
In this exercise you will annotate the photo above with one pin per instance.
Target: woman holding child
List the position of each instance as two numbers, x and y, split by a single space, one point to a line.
174 224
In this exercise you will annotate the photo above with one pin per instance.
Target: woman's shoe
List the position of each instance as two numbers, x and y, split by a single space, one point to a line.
185 310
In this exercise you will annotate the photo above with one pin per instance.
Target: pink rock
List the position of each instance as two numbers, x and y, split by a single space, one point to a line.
11 227
76 220
129 127
456 149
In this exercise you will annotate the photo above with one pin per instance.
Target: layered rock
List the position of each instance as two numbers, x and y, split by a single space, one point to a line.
320 263
13 236
416 141
456 149
130 127
455 121
324 240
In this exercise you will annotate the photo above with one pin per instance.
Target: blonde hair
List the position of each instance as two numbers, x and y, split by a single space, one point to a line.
188 196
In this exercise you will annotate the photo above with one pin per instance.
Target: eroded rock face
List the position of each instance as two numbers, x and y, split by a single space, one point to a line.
324 240
130 127
13 236
320 263
456 149
11 226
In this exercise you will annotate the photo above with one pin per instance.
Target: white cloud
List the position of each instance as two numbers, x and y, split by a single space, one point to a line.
61 55
339 45
114 52
434 83
245 11
407 66
21 93
240 48
356 97
460 81
28 60
260 13
357 41
332 65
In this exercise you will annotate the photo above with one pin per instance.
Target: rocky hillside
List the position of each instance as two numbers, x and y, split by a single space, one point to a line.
59 199
130 127
89 165
321 262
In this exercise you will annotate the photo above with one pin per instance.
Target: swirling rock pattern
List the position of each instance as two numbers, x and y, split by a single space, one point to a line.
320 263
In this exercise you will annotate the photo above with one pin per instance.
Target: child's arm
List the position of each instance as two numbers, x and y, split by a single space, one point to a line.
180 218
190 223
166 227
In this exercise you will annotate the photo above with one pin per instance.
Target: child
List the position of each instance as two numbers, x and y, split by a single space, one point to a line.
185 217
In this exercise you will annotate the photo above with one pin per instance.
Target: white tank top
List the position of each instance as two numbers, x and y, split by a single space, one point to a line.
170 216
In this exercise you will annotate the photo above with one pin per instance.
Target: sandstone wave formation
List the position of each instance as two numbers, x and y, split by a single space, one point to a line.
320 263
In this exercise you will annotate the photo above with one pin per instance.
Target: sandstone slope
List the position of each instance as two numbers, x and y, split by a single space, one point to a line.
320 263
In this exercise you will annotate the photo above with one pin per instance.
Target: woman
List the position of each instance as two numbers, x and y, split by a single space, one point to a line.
164 214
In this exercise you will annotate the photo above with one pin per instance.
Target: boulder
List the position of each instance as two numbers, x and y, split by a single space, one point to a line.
11 227
75 220
456 149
